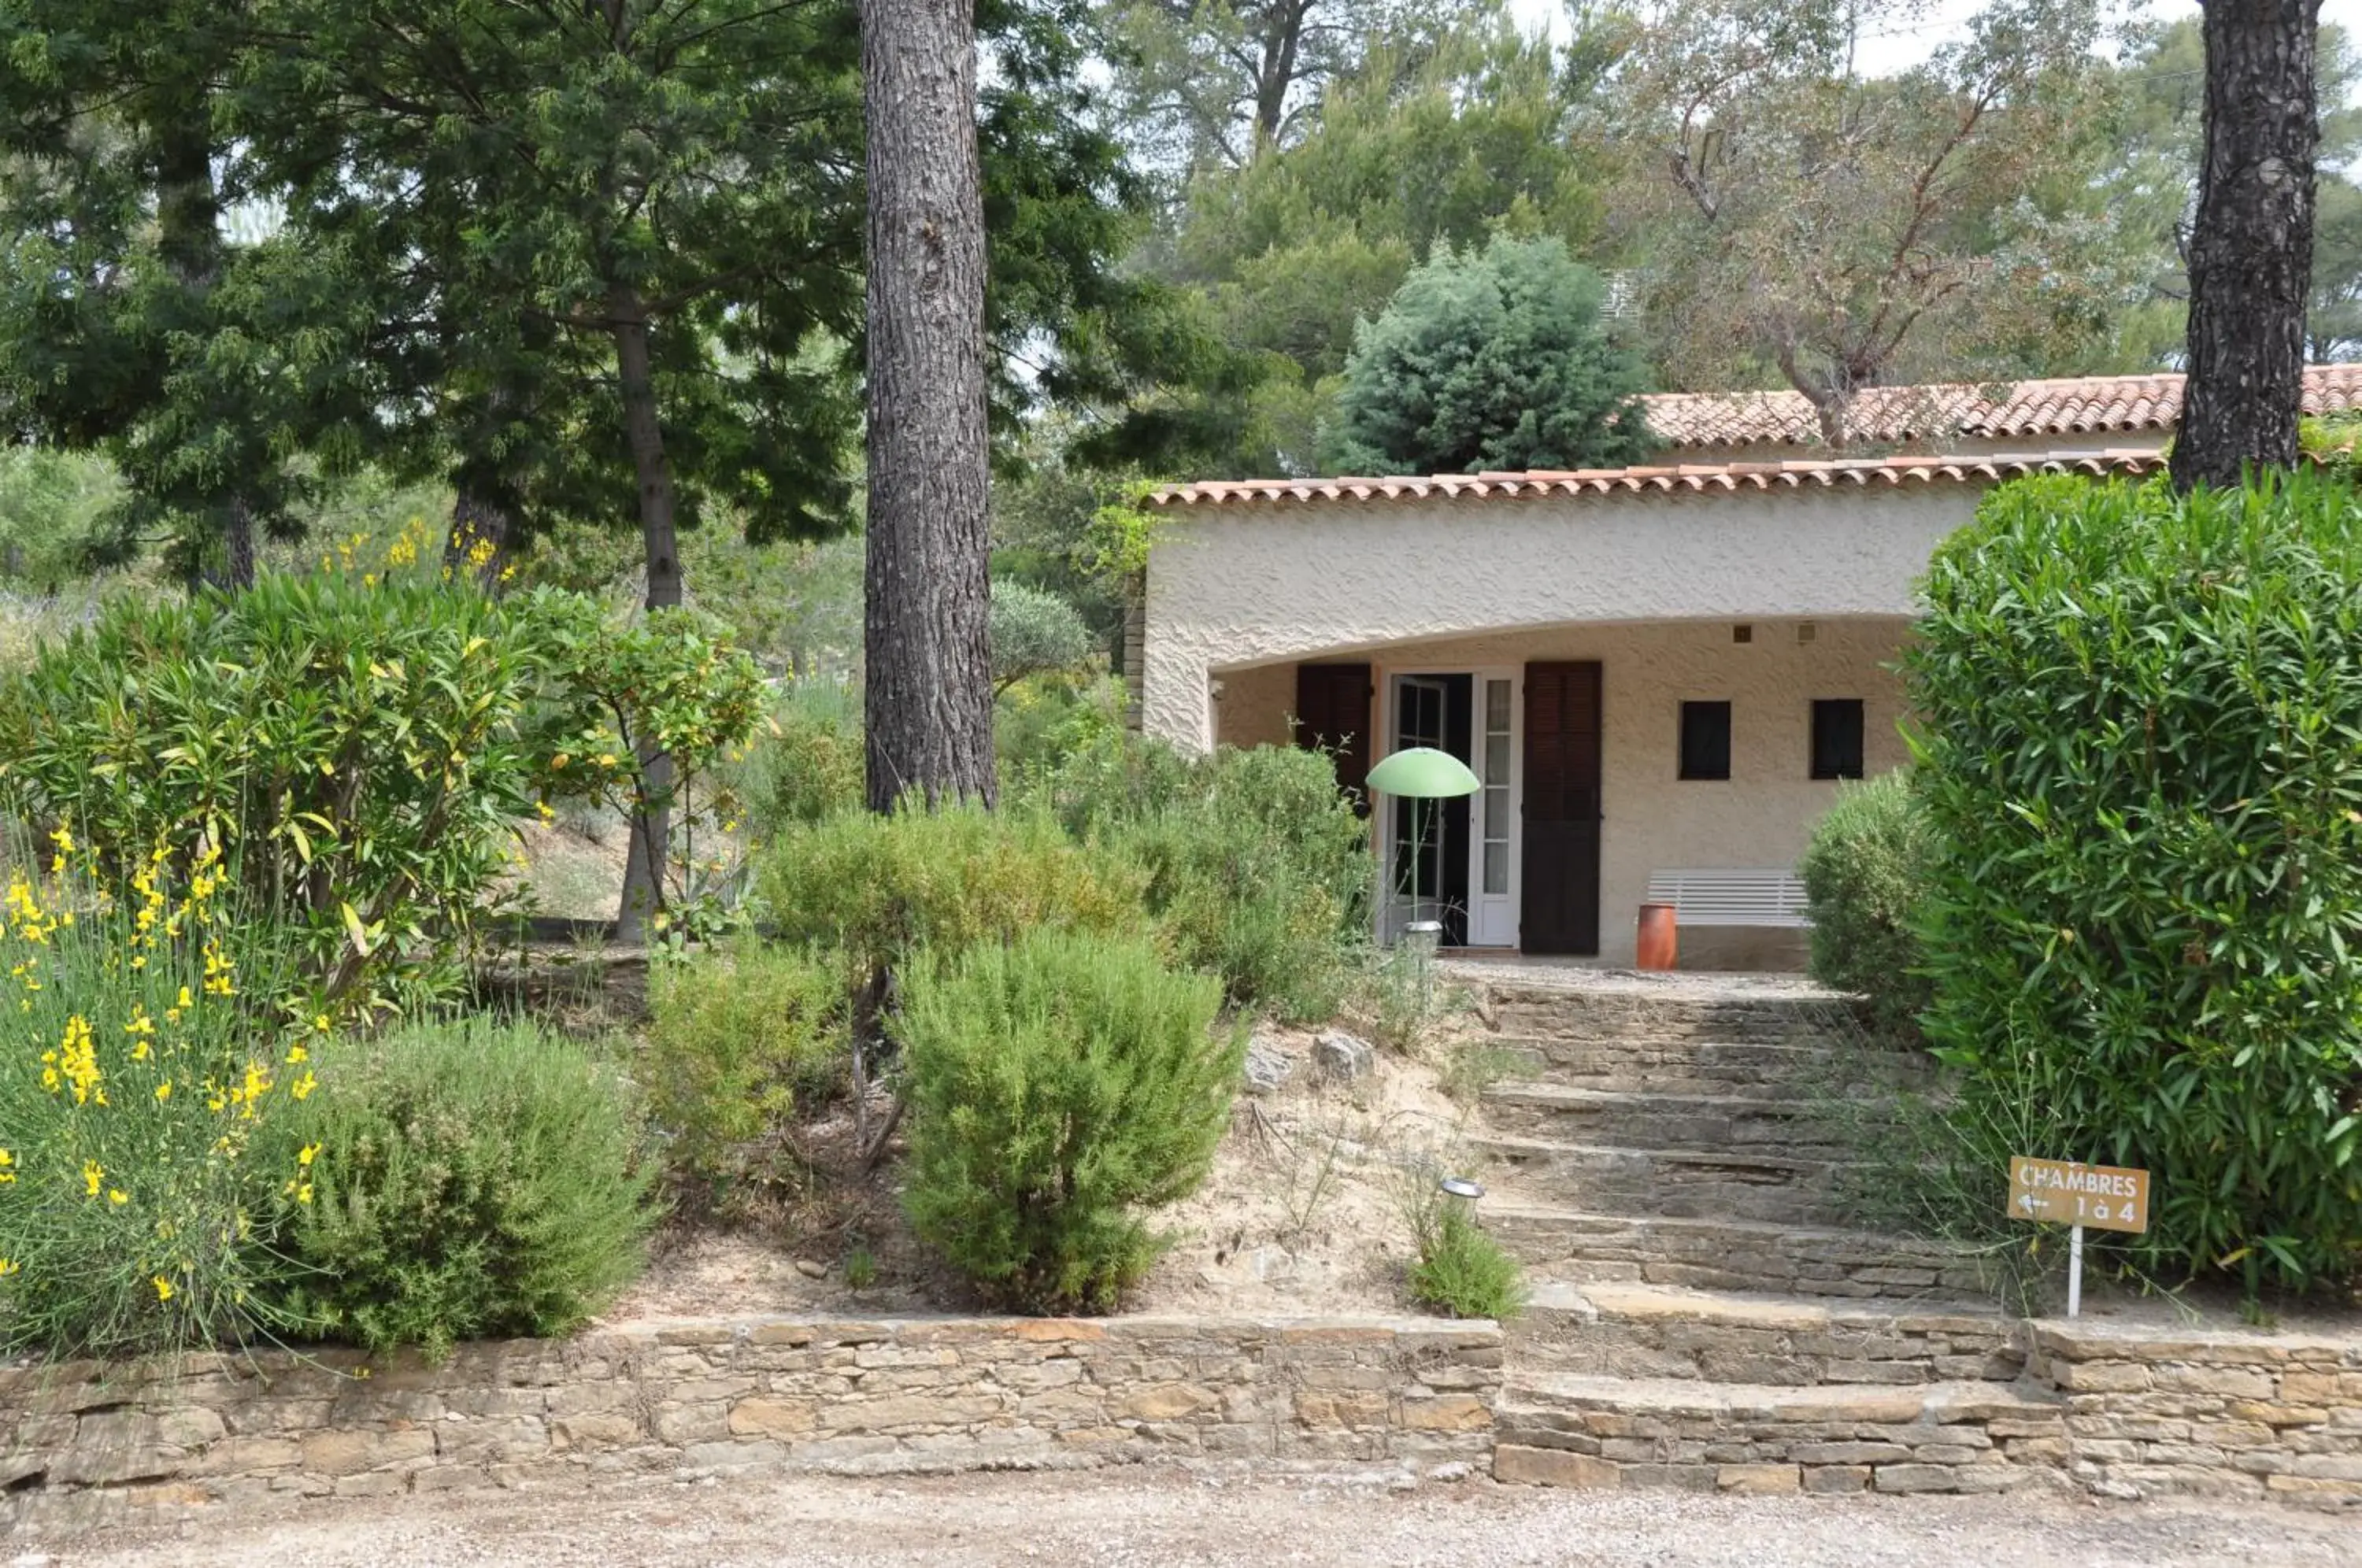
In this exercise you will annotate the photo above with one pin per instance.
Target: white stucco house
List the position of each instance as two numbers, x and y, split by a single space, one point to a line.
1661 674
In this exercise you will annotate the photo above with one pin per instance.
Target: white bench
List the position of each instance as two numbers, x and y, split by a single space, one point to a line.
1770 896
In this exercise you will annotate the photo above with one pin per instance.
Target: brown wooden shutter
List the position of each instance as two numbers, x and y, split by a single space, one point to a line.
1561 817
1332 714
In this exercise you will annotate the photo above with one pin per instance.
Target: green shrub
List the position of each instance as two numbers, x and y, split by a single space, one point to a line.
1460 1270
2140 756
1258 868
1059 1088
474 1178
1865 873
357 751
738 1040
876 889
150 1060
810 766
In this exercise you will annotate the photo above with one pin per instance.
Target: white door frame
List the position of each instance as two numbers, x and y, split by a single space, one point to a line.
1492 917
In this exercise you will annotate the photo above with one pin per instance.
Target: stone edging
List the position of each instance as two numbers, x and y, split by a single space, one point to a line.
84 1444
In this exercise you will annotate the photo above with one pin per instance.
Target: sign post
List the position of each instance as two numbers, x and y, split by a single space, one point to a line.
2068 1192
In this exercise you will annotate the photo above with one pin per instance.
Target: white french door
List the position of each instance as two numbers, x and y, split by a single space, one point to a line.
1478 895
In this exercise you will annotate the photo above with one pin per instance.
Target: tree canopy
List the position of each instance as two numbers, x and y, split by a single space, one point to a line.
1489 359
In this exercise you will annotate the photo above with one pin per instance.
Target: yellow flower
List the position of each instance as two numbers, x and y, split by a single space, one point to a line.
7 1268
163 1288
306 1155
320 1022
297 1056
7 1171
547 815
93 1175
117 1197
606 759
301 1088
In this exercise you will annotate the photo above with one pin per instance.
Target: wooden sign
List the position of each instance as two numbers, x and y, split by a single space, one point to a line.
2105 1197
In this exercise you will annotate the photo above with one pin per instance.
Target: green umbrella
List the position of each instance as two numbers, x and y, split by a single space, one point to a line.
1426 773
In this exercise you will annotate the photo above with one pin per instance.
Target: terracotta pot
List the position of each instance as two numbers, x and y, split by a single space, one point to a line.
1659 943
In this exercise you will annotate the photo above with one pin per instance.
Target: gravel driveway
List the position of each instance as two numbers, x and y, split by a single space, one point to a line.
1167 1518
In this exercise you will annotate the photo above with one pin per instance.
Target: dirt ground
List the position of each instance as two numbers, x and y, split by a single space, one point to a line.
1169 1519
1303 1214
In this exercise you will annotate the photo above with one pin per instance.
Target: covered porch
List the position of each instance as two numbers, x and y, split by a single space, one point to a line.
1611 756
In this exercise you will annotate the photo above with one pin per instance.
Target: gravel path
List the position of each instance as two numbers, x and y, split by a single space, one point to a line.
1169 1519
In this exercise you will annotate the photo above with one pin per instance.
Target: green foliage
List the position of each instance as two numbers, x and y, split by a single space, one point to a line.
474 1180
1257 867
1865 873
358 752
876 889
1037 725
1058 1088
810 765
739 1041
1489 361
1459 1270
1035 633
151 1063
53 511
649 707
2140 757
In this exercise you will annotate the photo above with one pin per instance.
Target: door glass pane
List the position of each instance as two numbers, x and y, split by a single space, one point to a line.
1497 759
1496 705
1497 866
1496 812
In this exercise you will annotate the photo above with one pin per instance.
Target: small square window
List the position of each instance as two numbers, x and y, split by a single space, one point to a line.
1705 740
1837 737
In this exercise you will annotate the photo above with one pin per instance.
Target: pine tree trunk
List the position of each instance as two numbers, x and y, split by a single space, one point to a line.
927 676
476 521
2251 252
651 828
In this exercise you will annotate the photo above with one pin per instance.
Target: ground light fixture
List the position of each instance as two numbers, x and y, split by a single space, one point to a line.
1461 1186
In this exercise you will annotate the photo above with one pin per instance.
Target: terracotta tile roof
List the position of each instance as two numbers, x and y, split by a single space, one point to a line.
2087 405
1824 473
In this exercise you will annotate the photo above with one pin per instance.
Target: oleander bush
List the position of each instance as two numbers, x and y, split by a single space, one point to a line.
2141 751
1061 1089
469 1177
1865 873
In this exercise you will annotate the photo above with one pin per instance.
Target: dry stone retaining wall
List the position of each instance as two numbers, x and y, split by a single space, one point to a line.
2215 1415
83 1443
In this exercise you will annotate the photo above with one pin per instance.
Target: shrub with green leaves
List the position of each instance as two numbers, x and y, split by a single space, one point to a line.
2141 715
809 767
739 1040
358 752
472 1178
1060 1089
1865 873
1258 868
874 888
1459 1269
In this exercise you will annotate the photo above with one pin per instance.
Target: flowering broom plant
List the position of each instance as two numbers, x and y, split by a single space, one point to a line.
150 1033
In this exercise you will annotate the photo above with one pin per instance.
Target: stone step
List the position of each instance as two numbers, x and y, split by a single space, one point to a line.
1680 1067
1603 1328
1570 1429
1654 1119
1618 1014
1729 1254
1695 1184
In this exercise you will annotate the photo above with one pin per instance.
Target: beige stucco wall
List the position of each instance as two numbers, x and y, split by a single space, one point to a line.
1249 586
1763 815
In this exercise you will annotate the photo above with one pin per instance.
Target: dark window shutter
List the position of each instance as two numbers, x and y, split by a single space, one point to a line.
1332 714
1705 740
1837 737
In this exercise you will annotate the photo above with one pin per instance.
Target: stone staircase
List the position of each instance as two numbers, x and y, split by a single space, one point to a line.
1664 1161
1670 1135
